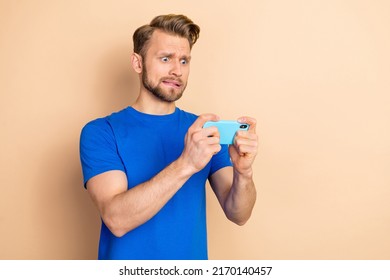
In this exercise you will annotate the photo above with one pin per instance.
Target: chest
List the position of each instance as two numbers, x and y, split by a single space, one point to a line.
146 150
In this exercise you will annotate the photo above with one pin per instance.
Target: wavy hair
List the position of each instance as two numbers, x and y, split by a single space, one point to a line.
179 25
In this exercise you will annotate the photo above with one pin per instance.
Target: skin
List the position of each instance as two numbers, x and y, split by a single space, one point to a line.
167 62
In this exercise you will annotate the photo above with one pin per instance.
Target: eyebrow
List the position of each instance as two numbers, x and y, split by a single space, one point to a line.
167 54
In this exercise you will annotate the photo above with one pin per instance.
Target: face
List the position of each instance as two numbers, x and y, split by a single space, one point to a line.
165 68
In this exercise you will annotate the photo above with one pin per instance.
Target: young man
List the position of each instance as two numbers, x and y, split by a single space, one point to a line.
146 166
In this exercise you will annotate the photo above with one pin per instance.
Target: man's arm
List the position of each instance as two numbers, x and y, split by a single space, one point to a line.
123 210
234 187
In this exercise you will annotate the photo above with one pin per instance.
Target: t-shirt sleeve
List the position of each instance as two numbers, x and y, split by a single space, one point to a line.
98 150
220 160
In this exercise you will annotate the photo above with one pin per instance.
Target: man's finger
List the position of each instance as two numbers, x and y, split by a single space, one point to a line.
248 120
211 131
202 119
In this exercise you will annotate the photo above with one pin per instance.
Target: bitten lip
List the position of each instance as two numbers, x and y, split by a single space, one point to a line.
173 83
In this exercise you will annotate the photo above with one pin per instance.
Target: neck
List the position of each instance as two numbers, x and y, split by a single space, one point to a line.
149 104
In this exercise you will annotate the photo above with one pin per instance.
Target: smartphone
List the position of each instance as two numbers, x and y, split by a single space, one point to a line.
227 129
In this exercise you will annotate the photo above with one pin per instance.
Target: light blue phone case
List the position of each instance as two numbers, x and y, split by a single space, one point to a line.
227 129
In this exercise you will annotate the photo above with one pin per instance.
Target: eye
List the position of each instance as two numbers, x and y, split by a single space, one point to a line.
165 59
183 61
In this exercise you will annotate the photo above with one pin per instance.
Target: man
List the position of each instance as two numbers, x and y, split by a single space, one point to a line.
145 167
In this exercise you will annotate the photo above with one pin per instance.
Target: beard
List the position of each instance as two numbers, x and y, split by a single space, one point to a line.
166 95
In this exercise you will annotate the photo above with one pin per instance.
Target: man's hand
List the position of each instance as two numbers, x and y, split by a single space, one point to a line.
201 143
244 149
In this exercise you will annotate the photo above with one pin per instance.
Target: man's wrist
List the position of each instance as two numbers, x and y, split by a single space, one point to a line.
183 168
244 174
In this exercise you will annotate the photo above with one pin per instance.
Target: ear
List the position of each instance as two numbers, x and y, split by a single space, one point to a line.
136 62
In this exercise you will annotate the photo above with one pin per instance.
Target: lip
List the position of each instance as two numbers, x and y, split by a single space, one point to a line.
172 83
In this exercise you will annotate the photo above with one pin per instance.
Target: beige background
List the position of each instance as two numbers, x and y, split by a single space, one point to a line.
315 74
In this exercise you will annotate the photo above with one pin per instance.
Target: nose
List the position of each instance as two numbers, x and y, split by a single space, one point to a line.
176 69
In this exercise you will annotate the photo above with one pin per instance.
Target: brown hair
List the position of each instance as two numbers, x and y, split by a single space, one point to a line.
179 25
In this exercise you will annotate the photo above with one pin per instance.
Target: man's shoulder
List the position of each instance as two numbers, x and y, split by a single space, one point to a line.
103 123
114 116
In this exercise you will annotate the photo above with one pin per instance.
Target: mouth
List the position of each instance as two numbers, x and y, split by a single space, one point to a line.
172 83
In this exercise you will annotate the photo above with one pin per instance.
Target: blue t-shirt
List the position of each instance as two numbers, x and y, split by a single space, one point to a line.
141 145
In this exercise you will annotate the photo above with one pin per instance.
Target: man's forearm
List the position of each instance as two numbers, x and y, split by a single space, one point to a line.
241 198
137 205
